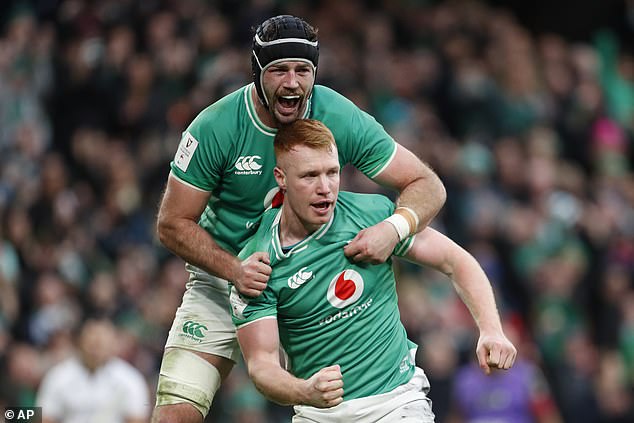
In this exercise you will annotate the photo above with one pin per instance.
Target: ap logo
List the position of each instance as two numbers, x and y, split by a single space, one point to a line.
345 288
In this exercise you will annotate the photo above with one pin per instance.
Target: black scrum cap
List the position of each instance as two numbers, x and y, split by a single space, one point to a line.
287 38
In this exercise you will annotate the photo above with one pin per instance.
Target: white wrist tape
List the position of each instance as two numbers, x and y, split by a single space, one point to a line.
413 216
400 224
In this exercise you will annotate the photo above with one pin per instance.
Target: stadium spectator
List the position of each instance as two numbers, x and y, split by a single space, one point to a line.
94 385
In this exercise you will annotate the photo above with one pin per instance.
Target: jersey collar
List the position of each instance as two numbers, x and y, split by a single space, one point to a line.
250 99
300 246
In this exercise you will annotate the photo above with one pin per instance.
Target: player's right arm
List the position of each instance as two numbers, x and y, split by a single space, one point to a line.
259 342
178 230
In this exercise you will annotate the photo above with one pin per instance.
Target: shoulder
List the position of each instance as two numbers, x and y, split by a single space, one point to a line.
220 114
356 131
364 209
260 239
323 91
323 97
267 220
365 202
63 371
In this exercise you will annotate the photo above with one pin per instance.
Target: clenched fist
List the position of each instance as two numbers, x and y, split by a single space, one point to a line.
495 351
324 389
254 274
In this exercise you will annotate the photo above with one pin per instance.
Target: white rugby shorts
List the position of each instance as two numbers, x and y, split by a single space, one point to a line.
203 320
405 403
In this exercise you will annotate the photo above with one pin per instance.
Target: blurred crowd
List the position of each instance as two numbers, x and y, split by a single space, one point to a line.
532 134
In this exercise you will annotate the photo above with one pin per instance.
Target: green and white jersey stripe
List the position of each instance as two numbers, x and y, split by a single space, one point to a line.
329 309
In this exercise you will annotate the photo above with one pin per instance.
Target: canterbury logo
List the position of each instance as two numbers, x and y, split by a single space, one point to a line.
299 278
246 163
194 329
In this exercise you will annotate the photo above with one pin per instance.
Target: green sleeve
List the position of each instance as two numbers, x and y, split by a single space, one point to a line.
374 148
403 247
246 310
361 140
200 159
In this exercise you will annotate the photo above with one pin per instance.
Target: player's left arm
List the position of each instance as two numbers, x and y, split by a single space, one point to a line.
434 249
421 196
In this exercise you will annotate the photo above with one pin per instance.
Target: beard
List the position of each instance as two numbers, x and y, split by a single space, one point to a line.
287 106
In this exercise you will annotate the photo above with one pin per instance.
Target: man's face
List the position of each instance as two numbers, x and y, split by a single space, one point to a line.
311 180
287 86
96 343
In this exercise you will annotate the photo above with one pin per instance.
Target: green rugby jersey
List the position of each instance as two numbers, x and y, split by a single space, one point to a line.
329 309
228 151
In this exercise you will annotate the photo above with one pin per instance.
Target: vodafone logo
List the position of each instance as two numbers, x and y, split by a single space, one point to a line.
345 288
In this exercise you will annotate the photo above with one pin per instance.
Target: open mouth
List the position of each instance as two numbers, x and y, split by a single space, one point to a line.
288 103
322 207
